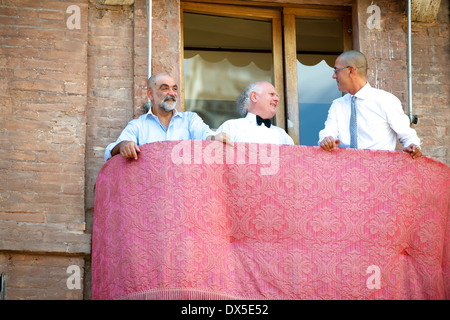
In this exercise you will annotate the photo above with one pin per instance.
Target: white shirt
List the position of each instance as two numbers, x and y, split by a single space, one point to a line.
380 116
247 130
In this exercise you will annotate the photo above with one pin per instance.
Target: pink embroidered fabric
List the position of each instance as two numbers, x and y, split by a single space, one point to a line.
198 220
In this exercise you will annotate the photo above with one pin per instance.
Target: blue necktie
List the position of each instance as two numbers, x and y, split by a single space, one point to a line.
353 126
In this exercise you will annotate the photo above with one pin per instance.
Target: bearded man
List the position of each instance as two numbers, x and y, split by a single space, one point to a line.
162 122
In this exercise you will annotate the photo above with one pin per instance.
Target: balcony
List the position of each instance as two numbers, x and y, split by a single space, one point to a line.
198 220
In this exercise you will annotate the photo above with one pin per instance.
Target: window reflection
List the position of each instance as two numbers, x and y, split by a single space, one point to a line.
317 90
318 43
222 55
213 81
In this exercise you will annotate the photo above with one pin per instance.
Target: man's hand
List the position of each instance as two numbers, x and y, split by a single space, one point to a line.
413 150
329 144
222 137
128 150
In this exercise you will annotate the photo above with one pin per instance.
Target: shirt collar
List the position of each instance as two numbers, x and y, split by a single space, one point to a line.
251 117
175 113
363 92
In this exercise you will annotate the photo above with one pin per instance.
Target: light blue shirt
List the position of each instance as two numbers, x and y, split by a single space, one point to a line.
147 129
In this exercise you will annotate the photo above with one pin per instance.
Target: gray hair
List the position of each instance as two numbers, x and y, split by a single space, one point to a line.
147 106
243 101
151 82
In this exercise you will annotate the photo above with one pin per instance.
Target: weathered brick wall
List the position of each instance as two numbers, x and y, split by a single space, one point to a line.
110 85
39 277
43 86
140 56
386 48
431 83
44 77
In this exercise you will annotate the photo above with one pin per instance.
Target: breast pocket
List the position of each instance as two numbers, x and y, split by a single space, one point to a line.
181 134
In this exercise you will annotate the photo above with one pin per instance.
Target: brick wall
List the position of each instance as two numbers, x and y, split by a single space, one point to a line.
43 86
110 85
38 277
140 56
431 83
43 114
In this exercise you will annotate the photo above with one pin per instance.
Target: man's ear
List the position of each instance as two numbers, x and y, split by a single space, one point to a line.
253 96
150 94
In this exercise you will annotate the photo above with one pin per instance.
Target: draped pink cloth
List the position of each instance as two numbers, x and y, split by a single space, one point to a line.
196 220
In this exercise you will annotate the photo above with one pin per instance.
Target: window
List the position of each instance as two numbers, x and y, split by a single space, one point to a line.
227 47
313 40
222 56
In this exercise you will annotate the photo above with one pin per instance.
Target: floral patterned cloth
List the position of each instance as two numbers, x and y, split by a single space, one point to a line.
198 220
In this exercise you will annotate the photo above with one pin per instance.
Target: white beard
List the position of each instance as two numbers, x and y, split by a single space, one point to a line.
168 105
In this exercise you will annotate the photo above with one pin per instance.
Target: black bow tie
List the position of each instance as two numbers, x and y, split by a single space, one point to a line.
260 120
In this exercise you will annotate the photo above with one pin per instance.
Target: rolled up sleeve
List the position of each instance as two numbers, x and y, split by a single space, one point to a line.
130 133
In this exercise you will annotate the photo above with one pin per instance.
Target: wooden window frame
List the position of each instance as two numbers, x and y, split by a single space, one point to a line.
290 50
272 15
282 16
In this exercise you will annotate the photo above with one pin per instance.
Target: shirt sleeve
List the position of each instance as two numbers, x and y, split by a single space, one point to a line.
331 125
223 128
198 129
400 123
290 141
286 138
227 127
130 133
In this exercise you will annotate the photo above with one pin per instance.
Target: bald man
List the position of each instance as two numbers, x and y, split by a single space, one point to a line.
377 119
258 104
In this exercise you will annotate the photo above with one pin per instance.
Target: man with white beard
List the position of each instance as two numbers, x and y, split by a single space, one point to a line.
162 122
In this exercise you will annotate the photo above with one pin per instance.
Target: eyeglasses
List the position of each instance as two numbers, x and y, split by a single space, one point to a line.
336 70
